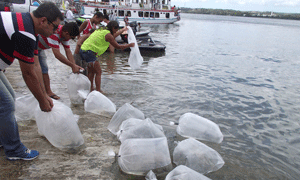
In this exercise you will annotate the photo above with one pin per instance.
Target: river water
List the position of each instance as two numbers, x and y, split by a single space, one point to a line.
241 73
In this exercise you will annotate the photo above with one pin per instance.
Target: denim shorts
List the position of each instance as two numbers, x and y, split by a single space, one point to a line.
88 56
43 61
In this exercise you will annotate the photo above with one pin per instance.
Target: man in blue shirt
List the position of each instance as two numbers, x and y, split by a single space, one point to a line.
18 34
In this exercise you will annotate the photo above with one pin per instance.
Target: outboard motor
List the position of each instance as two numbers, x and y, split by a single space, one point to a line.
133 25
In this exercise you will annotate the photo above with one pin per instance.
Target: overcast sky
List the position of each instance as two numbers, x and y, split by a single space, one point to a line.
288 6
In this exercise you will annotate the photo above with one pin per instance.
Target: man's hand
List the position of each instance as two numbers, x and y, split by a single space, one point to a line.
76 68
131 45
50 101
46 105
124 29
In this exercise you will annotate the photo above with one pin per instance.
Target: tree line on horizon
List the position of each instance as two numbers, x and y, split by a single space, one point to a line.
230 12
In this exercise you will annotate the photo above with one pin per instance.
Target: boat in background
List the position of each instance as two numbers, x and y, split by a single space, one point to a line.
148 12
147 43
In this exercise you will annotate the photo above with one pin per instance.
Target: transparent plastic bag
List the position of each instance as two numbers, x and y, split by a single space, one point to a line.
144 129
182 172
135 59
197 156
25 107
125 112
97 103
129 123
150 176
192 125
139 156
59 127
78 82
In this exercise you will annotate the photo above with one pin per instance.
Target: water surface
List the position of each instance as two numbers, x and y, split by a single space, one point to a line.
242 73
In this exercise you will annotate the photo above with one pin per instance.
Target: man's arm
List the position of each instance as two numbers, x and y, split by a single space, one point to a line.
63 59
32 76
38 71
82 27
110 38
82 39
120 31
69 55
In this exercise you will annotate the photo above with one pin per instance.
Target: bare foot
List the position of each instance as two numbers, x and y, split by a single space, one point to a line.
102 92
54 96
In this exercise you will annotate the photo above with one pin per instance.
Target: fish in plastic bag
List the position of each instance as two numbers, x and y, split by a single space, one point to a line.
131 122
182 172
135 59
144 129
59 127
197 156
25 107
76 83
139 156
125 112
192 125
97 103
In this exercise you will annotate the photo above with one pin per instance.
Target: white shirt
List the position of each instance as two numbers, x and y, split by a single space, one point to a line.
67 4
69 14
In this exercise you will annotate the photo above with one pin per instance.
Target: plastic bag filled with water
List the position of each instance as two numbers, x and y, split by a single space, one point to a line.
59 127
99 104
25 107
135 59
129 123
182 172
76 83
144 129
139 156
197 156
125 112
150 176
192 125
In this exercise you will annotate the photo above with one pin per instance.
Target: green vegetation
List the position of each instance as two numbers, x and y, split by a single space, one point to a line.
229 12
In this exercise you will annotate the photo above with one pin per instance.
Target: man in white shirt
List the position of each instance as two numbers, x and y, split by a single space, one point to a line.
69 15
67 4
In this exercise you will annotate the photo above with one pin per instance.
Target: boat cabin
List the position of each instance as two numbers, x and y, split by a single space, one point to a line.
134 4
141 11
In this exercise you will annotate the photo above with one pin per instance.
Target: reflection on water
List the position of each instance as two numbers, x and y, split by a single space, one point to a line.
241 73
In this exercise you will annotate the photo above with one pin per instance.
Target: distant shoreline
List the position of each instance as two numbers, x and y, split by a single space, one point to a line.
229 12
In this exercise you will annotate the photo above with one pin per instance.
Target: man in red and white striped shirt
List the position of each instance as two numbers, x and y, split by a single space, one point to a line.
18 34
62 36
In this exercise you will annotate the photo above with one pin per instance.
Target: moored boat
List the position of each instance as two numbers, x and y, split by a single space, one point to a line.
149 12
147 43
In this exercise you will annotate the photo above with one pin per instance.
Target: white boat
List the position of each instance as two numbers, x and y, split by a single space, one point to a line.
150 12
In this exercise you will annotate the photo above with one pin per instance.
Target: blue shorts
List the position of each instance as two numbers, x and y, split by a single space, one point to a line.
88 56
43 61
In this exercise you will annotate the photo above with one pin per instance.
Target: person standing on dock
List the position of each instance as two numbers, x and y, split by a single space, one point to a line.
18 34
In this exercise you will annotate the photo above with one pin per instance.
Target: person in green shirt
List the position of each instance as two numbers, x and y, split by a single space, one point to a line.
95 45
